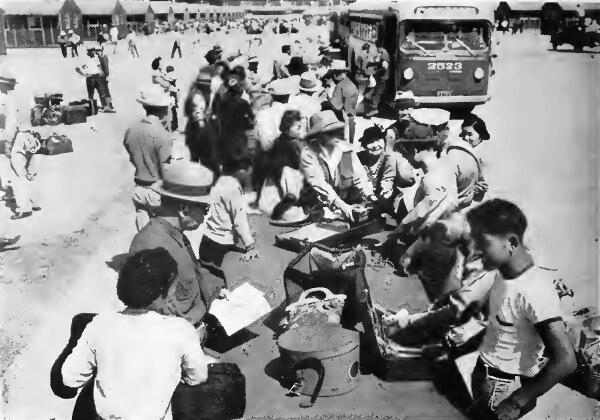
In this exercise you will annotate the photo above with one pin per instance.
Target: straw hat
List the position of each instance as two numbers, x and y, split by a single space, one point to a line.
309 82
154 96
281 87
186 181
324 122
430 116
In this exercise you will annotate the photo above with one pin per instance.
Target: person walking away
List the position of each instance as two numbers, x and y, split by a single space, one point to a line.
185 200
149 147
332 168
381 76
25 145
138 356
132 43
114 37
345 96
176 43
525 350
104 75
227 226
235 117
74 41
280 64
63 42
200 133
174 93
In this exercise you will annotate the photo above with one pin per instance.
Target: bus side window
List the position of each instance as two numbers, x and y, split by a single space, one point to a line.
380 33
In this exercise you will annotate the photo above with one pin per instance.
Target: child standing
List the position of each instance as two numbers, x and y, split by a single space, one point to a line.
525 322
227 221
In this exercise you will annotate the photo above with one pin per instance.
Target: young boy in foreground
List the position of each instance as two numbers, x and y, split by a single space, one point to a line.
525 322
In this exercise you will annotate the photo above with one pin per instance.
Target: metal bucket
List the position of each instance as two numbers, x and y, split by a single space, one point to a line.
324 360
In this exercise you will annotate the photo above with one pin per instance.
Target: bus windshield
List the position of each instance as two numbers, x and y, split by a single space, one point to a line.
459 38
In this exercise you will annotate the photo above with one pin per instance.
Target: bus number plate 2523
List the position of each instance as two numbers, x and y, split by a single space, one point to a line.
455 67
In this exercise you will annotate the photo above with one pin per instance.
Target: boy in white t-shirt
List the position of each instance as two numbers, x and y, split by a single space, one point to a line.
525 320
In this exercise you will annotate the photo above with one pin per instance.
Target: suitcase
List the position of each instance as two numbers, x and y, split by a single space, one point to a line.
92 106
55 145
74 114
7 84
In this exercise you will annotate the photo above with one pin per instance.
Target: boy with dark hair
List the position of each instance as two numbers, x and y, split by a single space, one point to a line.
525 320
137 357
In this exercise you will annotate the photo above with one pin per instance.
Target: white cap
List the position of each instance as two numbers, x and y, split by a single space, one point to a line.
430 116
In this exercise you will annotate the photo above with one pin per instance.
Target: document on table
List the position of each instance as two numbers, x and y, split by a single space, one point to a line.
243 306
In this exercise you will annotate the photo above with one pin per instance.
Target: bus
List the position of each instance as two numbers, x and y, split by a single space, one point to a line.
440 55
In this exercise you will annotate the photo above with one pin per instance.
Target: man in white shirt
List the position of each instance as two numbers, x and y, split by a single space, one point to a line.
525 320
137 357
114 37
92 70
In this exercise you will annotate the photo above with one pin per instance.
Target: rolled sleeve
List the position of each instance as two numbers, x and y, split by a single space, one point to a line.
194 363
79 366
541 305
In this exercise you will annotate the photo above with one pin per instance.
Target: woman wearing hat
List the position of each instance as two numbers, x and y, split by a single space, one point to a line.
331 166
386 171
200 133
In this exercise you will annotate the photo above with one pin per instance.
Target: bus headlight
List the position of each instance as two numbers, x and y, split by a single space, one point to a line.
479 73
408 73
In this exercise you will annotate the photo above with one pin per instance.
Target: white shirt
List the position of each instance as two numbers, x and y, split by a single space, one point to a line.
511 342
114 34
140 359
91 66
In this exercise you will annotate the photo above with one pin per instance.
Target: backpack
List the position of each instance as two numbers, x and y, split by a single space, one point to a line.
478 196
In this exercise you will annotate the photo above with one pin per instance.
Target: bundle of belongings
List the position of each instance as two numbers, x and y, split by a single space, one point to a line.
7 84
49 110
55 144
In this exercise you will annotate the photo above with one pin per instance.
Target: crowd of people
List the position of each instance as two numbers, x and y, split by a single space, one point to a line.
290 138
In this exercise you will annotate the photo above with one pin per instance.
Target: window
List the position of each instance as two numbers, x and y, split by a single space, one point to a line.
459 37
34 22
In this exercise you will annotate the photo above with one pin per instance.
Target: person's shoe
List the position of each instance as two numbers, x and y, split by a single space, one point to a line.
21 215
109 110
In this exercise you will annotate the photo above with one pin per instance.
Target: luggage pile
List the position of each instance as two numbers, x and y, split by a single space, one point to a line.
49 110
56 144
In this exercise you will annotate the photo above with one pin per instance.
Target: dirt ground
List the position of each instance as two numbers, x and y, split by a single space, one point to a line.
543 118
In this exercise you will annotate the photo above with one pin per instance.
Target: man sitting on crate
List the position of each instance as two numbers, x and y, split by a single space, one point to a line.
95 78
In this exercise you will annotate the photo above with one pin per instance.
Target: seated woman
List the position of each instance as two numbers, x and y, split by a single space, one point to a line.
387 171
332 168
277 169
137 356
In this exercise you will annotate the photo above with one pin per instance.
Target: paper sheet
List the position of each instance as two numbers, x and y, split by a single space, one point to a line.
244 305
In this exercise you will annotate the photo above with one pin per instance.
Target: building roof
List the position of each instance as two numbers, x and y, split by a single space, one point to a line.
574 5
97 7
35 8
179 7
160 7
135 7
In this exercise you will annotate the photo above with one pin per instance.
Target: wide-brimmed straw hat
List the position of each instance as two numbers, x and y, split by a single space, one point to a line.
154 96
430 116
294 216
186 181
309 82
282 87
324 122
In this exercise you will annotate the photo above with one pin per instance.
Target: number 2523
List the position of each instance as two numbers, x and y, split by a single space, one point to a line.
444 66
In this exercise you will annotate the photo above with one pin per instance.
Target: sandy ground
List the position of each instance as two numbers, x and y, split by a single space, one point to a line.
542 155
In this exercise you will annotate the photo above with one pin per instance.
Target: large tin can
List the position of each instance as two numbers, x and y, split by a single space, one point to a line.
327 355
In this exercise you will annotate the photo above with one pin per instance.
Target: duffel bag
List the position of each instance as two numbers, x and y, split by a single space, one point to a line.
315 307
74 114
222 396
53 115
55 145
91 106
